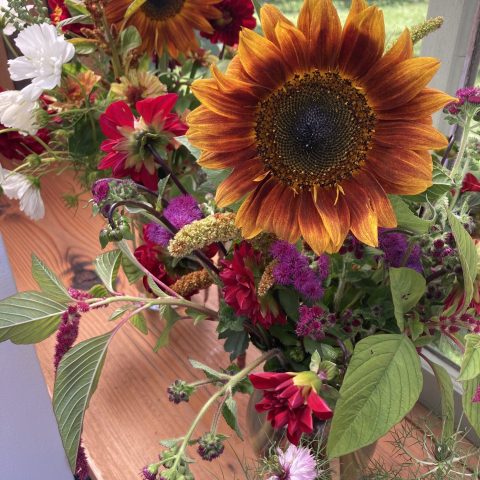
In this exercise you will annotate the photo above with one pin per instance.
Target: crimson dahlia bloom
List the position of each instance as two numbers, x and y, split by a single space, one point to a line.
128 137
470 183
240 291
291 399
235 15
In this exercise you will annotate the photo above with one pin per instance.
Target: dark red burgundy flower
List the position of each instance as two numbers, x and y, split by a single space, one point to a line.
470 183
128 137
291 399
239 289
149 257
235 15
59 12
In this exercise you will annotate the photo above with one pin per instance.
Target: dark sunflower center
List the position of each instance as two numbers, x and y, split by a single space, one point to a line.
162 9
315 130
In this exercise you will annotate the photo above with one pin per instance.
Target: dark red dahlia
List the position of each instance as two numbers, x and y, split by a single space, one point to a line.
59 12
149 256
128 137
240 290
470 183
235 15
291 399
16 146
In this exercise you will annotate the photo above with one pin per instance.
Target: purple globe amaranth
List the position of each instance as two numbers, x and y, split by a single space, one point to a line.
182 210
395 246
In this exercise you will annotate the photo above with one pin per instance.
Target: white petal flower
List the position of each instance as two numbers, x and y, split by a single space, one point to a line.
297 463
18 187
18 112
44 53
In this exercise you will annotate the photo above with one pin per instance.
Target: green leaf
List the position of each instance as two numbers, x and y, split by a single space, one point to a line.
76 380
406 218
290 301
196 152
131 271
161 188
327 370
107 266
229 412
381 385
76 7
446 391
441 185
471 358
29 317
315 361
472 410
119 312
48 281
236 343
197 316
407 287
139 322
99 291
155 288
468 256
171 317
83 46
129 40
210 372
258 5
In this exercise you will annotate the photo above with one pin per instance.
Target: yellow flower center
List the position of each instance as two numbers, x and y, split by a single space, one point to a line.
314 130
162 9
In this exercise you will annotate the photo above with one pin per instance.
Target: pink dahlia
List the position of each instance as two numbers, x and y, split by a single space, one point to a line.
129 136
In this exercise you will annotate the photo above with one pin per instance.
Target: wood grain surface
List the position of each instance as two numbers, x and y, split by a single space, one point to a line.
130 411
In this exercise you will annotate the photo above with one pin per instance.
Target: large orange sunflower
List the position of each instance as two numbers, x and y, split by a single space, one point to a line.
318 125
169 24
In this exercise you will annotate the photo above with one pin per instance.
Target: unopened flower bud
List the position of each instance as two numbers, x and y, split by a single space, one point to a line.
210 446
179 391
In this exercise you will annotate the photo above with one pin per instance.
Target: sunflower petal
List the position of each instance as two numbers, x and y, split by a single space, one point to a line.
428 101
270 16
219 160
409 135
311 225
293 45
363 42
403 82
284 220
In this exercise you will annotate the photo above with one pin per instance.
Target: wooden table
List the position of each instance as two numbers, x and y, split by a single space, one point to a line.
130 411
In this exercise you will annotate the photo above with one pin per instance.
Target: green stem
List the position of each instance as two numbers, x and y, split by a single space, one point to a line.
228 386
341 287
173 301
116 62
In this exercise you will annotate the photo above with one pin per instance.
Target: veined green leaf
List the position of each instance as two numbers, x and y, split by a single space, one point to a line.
446 392
472 410
139 322
29 317
406 218
229 412
131 271
129 40
107 266
171 317
210 372
382 384
76 380
471 358
48 281
196 152
408 287
468 256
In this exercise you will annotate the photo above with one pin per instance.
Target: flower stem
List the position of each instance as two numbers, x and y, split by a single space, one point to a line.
228 386
116 62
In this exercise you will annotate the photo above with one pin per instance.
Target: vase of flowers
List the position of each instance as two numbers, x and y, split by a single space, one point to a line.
304 180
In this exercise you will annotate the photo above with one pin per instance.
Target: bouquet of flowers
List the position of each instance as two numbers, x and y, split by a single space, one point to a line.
303 188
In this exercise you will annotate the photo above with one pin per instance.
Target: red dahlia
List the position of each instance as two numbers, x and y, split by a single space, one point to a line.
128 137
291 399
59 12
240 290
470 183
235 15
148 256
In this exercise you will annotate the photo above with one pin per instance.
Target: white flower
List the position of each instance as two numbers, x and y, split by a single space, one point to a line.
296 463
18 112
18 187
45 52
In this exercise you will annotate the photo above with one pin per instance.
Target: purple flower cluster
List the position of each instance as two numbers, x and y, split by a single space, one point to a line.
147 474
465 95
313 321
293 269
349 322
181 211
441 249
454 323
476 397
100 190
395 246
67 333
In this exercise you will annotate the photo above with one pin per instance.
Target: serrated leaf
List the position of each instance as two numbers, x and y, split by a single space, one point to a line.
408 287
210 372
129 40
139 322
171 317
48 281
76 380
196 152
472 410
471 358
29 317
236 343
229 412
107 266
382 383
448 404
468 256
406 218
